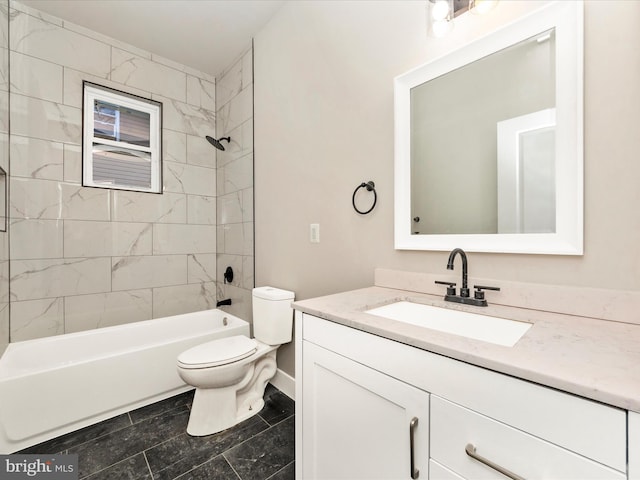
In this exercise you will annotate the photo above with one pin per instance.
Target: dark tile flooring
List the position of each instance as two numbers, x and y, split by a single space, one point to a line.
152 443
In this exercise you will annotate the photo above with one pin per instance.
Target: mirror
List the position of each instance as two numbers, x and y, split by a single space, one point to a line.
489 142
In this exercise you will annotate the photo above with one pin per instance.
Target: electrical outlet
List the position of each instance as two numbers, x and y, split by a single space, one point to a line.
314 233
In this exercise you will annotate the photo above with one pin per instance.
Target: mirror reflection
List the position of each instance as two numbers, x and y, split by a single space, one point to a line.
482 144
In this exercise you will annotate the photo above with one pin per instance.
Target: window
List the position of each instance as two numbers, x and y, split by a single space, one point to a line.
121 141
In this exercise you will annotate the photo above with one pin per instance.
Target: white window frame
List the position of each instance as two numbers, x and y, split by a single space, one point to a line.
93 92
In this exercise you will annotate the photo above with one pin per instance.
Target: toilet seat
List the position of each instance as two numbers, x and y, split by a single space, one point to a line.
215 353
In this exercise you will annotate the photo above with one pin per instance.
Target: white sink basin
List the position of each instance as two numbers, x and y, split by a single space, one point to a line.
471 325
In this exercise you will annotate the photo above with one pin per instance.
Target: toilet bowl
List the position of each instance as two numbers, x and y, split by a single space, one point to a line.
230 374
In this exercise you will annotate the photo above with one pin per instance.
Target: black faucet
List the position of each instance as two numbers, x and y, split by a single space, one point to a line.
226 301
478 296
464 290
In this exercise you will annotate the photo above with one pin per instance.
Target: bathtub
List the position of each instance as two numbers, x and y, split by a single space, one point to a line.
55 385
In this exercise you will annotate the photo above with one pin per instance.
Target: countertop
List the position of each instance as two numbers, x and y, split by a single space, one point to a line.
596 359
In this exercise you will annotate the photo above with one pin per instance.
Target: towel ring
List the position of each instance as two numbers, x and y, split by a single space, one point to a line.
371 187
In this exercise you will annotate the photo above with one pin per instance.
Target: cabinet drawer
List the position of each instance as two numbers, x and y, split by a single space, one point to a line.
454 427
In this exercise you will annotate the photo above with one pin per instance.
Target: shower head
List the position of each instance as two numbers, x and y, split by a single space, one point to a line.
216 143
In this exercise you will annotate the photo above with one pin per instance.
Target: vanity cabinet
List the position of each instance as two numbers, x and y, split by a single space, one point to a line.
634 446
365 424
357 394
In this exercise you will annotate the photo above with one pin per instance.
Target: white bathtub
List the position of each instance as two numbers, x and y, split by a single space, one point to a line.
55 385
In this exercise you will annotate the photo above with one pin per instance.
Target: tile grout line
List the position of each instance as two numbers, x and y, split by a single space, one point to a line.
276 473
144 454
229 463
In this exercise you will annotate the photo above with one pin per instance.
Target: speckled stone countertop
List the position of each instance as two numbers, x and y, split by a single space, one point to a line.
596 359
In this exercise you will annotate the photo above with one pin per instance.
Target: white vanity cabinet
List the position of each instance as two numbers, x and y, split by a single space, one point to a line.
634 446
365 424
357 394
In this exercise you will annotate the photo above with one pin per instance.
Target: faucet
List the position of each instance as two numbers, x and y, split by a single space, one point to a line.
464 290
478 296
226 301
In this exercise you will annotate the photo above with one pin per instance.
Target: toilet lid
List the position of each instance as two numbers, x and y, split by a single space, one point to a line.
218 352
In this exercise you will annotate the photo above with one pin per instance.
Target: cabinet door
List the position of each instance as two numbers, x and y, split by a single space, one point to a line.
357 422
634 446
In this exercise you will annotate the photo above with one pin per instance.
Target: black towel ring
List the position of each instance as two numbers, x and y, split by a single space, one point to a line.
371 187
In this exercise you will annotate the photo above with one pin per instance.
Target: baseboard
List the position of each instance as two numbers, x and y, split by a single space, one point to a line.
285 383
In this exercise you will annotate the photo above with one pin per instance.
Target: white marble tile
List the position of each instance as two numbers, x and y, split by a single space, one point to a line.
201 267
4 69
73 87
248 268
201 93
36 319
4 280
36 78
86 312
185 118
220 246
21 7
201 210
241 144
174 146
131 273
183 239
182 68
104 239
31 117
35 158
4 151
4 25
230 208
190 179
45 199
39 38
147 207
72 163
242 301
229 84
247 69
235 112
183 299
247 205
248 239
201 152
130 69
236 175
33 279
234 239
4 327
4 113
32 239
106 39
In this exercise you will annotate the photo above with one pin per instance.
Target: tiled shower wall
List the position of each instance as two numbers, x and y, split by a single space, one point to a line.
234 93
4 163
83 258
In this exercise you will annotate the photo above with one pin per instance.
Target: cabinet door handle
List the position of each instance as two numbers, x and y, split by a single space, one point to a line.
415 473
471 451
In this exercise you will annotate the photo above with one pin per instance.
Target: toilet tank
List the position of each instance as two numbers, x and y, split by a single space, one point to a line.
272 315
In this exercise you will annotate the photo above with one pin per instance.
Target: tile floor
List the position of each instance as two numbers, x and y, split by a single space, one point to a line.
152 443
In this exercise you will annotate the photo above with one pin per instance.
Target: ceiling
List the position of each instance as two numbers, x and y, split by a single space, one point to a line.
204 34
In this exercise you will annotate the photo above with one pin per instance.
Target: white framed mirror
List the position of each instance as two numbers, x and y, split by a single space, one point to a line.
489 141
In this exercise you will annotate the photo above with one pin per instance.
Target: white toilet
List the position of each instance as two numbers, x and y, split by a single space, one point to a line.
230 374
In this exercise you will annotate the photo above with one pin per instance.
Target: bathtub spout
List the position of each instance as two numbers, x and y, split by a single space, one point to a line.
223 302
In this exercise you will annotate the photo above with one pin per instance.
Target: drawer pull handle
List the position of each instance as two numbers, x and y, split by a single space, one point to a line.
415 473
471 451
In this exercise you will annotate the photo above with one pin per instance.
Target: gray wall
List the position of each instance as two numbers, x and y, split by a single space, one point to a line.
324 123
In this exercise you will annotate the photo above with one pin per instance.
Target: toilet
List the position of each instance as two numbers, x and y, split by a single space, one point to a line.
230 374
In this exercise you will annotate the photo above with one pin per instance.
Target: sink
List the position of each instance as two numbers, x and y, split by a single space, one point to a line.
495 330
